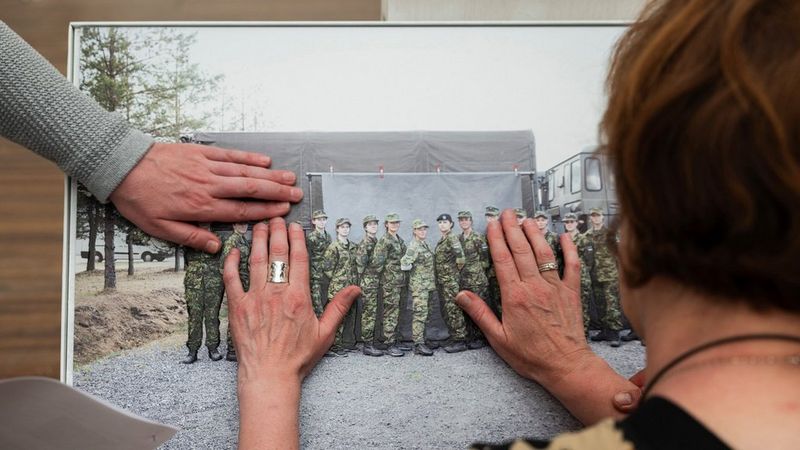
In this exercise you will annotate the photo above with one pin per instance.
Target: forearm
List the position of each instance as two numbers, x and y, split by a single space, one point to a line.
42 111
268 413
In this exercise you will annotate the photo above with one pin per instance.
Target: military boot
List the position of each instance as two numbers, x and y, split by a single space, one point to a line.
231 355
631 336
214 355
405 346
455 347
615 340
604 335
191 357
394 351
371 351
422 349
476 344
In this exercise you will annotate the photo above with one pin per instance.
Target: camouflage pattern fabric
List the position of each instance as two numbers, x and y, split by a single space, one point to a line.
586 255
422 283
368 280
239 241
473 275
555 246
448 256
204 289
605 278
317 242
386 261
339 265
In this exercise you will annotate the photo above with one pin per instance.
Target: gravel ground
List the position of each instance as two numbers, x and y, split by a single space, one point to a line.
414 402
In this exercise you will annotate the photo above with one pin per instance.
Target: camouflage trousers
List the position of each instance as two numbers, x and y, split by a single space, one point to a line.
607 293
245 279
316 296
453 315
586 298
421 306
391 312
203 307
493 297
473 331
369 302
346 333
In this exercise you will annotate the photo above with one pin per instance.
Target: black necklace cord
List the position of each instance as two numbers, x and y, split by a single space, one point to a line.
716 343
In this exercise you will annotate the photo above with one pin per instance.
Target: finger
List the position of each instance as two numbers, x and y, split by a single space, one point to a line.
219 210
186 234
278 242
298 256
236 156
336 310
230 275
239 187
572 263
481 315
541 250
520 248
242 170
504 267
259 255
627 401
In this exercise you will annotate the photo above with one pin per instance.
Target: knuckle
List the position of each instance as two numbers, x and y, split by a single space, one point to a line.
242 209
250 187
191 238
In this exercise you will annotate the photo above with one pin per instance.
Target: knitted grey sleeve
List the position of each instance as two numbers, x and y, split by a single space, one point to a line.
42 111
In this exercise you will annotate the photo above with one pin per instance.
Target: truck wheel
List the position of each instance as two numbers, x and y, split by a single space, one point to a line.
98 256
147 256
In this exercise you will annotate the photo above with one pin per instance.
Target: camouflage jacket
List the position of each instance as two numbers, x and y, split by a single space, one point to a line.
363 256
555 246
317 242
339 264
604 268
238 240
476 254
386 260
419 260
448 256
202 269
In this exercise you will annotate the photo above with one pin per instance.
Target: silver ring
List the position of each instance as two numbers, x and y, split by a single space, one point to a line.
278 272
544 267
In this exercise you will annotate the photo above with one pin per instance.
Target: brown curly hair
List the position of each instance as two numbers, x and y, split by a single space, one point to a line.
703 134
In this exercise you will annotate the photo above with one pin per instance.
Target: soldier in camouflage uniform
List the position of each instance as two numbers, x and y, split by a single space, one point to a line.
542 221
605 279
473 275
386 262
492 214
368 280
586 255
448 260
339 265
521 215
418 259
203 284
317 241
237 239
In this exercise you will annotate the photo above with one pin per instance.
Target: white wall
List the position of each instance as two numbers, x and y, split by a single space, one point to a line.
492 10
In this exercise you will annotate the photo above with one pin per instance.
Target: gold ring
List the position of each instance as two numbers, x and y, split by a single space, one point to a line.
278 272
544 267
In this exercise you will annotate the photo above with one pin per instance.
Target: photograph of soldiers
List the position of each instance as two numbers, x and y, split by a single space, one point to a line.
604 279
521 215
238 240
418 261
339 266
448 262
571 227
386 262
203 284
492 214
542 223
317 241
473 275
368 281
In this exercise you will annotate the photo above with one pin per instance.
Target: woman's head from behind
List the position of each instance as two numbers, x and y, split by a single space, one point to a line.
703 133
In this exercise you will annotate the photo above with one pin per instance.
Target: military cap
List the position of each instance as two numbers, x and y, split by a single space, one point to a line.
444 216
319 214
520 213
418 223
598 211
342 221
392 217
570 216
369 218
540 214
465 214
492 211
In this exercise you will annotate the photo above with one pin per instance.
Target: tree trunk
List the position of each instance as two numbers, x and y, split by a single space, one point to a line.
92 216
130 257
110 277
177 259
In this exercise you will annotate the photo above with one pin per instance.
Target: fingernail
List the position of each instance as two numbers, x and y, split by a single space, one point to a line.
288 177
212 247
462 300
623 398
297 194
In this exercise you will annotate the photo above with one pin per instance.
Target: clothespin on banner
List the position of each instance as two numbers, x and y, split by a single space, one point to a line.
380 171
